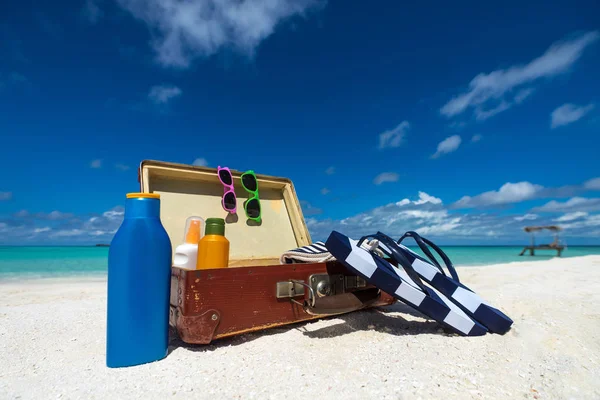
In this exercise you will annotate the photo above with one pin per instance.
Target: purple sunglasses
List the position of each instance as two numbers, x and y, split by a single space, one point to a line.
229 200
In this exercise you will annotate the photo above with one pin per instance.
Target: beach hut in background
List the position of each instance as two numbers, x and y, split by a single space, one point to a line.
555 245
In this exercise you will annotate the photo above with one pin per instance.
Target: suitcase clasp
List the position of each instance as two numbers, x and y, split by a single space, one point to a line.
328 294
291 288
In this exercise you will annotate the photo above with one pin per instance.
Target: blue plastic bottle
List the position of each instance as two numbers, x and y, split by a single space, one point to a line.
139 273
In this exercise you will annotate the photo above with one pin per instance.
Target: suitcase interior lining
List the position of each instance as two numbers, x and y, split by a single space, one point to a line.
187 191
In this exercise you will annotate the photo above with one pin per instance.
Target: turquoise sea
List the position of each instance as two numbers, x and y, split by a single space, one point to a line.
34 262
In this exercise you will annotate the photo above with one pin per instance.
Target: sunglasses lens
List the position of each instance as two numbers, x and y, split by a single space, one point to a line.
249 182
229 201
253 208
225 176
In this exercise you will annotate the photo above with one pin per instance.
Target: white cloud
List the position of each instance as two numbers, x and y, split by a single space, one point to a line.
68 233
162 94
476 138
572 205
482 115
425 198
330 171
426 214
447 145
91 11
572 216
200 162
568 113
496 87
115 213
386 177
583 224
508 193
421 214
4 196
60 227
96 164
51 216
394 137
185 30
325 191
428 222
523 94
436 229
527 217
54 215
592 184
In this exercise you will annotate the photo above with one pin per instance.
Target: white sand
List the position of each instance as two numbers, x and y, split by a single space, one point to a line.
52 336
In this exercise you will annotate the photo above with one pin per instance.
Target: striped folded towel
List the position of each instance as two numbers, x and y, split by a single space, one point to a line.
317 253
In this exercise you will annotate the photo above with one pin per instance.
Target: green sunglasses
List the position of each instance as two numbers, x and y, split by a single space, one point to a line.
252 205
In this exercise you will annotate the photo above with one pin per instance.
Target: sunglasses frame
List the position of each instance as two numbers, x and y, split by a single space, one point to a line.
254 196
227 189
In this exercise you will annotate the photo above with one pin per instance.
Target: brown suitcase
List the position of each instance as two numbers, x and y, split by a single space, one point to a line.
256 292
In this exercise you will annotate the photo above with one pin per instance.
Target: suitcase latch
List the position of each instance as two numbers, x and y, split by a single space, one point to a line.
330 285
326 285
289 289
327 293
355 282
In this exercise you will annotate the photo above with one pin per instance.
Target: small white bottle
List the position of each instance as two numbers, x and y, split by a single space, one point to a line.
186 254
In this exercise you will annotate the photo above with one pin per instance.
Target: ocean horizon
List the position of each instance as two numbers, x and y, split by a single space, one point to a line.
30 262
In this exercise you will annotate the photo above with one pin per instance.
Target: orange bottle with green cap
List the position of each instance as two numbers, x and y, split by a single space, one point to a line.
213 248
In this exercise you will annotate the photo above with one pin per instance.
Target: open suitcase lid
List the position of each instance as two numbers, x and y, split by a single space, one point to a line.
187 190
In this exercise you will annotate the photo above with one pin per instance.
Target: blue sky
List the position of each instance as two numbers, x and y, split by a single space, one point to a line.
464 123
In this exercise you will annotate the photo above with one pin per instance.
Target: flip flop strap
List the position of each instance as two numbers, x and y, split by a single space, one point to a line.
423 247
397 255
423 243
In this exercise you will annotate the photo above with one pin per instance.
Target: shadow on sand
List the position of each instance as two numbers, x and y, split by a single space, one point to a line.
380 319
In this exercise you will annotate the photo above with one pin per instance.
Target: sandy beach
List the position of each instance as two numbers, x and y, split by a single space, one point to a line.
53 337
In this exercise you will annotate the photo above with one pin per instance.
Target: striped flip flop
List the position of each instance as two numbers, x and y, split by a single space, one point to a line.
401 283
432 273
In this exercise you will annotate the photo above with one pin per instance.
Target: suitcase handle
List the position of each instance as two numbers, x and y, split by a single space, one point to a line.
311 293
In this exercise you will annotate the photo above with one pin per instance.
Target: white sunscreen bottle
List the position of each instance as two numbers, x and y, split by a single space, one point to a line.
187 253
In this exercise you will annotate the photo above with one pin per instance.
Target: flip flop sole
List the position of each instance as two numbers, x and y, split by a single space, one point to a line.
397 283
469 301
